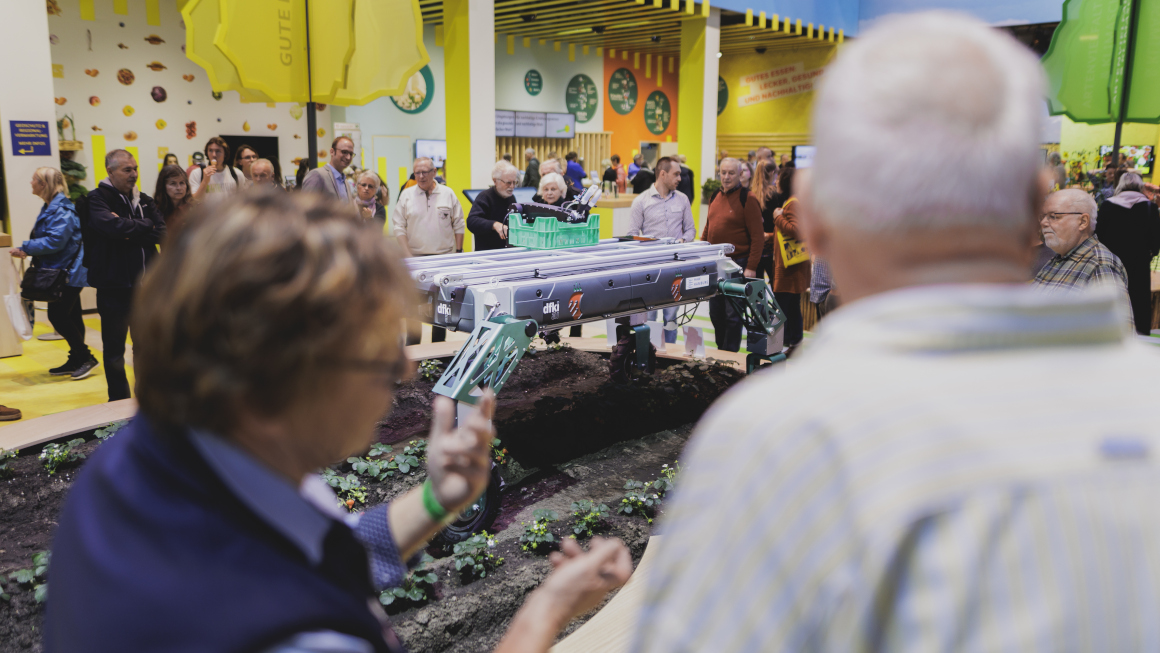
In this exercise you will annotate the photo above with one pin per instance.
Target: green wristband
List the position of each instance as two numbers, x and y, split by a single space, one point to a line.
436 511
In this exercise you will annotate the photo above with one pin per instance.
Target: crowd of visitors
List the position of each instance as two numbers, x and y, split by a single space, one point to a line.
937 493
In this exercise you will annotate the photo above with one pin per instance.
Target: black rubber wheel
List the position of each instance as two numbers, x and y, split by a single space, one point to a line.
479 516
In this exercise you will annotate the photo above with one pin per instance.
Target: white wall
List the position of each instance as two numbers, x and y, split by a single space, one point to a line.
186 101
26 83
556 70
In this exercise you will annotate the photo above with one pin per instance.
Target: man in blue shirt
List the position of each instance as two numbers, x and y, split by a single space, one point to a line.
329 179
575 172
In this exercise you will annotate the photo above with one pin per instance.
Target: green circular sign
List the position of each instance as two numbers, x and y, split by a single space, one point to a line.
622 91
417 96
581 97
657 112
533 82
722 95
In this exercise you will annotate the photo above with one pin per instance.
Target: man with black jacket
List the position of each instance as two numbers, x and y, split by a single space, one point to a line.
121 231
488 217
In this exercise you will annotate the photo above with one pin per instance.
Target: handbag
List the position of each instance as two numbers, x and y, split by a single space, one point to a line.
41 284
793 251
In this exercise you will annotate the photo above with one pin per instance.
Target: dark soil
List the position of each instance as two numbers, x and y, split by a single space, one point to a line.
570 434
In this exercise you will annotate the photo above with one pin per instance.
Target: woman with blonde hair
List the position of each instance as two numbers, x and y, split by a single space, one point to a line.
764 190
56 243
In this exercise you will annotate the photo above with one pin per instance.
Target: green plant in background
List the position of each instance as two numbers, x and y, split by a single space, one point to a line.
497 454
349 488
416 448
54 455
587 517
109 430
35 578
380 469
417 587
710 186
5 456
670 474
539 531
431 369
476 555
379 449
558 346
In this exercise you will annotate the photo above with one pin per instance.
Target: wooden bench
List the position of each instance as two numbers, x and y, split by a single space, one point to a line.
611 630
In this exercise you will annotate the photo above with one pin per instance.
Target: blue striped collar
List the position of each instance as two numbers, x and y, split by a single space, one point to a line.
948 318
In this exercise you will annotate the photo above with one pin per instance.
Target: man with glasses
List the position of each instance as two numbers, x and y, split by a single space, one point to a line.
1068 222
488 217
329 179
428 220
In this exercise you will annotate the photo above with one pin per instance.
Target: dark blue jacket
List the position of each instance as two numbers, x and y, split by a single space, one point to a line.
154 553
56 241
119 241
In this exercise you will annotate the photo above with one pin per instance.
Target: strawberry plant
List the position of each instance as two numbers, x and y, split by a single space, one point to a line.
4 595
5 456
539 531
381 469
497 454
109 430
587 517
35 578
644 498
418 587
349 488
475 555
54 455
430 369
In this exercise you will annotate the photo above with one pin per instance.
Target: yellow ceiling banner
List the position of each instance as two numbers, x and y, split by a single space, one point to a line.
270 65
392 50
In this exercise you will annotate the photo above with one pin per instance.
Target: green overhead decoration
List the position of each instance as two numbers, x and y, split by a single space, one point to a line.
1103 52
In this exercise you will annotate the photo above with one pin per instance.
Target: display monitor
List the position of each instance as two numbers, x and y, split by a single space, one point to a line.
560 125
1140 157
505 123
434 150
803 155
530 124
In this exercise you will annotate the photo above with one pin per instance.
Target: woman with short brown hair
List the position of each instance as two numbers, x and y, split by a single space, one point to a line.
216 180
268 343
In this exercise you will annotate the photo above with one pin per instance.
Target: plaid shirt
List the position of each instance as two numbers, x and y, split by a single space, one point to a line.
1090 262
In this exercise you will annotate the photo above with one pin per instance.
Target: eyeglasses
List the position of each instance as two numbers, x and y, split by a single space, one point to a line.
1054 216
424 172
346 152
506 182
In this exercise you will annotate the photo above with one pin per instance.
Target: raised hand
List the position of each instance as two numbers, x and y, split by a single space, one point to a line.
459 459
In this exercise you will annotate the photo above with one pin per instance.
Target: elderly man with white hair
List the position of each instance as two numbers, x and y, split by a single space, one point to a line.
427 220
957 461
487 219
1068 223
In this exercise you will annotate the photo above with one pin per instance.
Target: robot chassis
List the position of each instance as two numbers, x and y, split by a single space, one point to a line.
504 297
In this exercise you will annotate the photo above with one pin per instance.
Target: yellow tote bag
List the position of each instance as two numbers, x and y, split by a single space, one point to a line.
792 251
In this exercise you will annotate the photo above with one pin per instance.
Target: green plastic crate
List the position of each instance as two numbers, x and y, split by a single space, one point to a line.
549 233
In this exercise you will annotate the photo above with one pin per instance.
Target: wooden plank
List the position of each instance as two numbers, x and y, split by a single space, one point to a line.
611 630
50 427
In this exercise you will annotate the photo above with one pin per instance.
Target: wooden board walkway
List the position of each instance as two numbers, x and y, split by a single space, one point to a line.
611 630
36 431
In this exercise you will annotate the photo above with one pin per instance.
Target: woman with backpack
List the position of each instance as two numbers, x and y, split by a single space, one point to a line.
216 180
56 244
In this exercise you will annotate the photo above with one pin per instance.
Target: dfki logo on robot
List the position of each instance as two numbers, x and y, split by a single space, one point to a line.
552 310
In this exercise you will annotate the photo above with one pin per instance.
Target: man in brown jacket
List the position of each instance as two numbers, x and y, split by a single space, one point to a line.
735 219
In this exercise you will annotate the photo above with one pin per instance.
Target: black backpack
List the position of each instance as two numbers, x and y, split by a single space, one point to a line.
744 196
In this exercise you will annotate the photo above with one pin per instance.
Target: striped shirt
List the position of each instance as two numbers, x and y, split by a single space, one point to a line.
946 468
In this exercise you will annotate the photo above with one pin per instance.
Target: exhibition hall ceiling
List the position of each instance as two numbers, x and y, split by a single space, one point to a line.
629 25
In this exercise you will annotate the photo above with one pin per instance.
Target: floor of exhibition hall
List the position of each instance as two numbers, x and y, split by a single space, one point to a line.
26 384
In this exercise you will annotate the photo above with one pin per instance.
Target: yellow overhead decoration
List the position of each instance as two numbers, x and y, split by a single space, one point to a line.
271 65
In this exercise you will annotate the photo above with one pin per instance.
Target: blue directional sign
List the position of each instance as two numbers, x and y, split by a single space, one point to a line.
30 138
